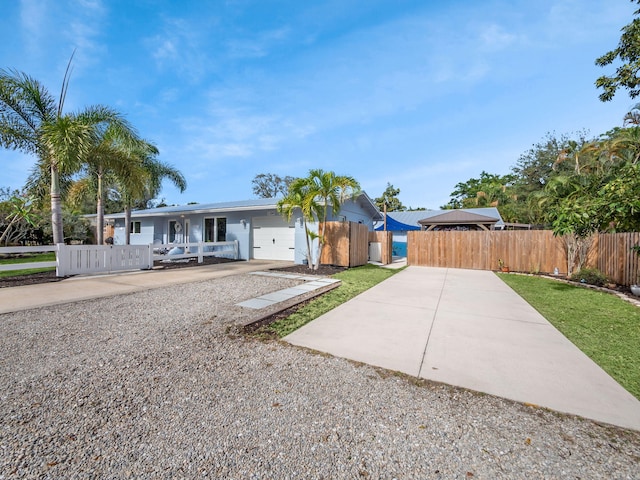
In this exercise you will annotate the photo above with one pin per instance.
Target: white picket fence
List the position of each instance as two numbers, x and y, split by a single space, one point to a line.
88 259
93 259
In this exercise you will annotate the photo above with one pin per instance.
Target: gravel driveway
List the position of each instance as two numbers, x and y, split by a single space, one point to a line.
157 385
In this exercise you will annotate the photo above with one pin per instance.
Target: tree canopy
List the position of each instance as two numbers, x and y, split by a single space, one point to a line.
315 196
390 198
270 185
77 152
627 52
34 122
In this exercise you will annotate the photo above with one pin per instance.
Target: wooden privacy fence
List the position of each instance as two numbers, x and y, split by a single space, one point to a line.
346 244
531 251
535 251
613 255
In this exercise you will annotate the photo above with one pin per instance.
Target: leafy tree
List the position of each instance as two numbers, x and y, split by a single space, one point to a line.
628 52
77 228
270 185
316 195
17 217
33 121
489 190
619 200
535 168
390 198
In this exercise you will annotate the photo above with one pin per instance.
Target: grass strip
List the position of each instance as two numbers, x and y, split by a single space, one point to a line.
39 257
354 282
603 326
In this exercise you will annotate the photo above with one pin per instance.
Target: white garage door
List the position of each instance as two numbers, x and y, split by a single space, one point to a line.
273 238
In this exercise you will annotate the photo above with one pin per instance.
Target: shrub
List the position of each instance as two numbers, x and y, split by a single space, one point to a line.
592 276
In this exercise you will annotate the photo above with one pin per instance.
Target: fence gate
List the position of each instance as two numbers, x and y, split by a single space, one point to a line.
87 259
347 244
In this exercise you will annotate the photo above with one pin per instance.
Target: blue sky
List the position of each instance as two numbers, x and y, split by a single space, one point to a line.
421 94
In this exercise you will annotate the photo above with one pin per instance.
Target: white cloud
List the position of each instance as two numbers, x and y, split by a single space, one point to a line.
257 45
494 37
166 50
179 48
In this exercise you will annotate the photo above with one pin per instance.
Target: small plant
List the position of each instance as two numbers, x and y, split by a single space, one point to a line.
634 288
501 266
592 276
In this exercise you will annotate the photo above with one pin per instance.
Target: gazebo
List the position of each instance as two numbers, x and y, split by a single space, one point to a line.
458 220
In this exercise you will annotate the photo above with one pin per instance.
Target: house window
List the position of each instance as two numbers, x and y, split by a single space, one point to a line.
215 229
135 227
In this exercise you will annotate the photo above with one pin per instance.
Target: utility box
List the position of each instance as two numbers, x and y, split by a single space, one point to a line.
375 252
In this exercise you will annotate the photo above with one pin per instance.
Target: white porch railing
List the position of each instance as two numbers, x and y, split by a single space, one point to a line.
197 250
91 259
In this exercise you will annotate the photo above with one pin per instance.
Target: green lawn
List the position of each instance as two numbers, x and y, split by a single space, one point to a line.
604 327
354 282
38 257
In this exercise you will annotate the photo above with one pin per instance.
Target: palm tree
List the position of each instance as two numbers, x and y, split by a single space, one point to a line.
113 155
139 191
295 201
316 195
32 121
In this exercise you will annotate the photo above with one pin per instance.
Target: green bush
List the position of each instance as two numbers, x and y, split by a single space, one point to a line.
592 276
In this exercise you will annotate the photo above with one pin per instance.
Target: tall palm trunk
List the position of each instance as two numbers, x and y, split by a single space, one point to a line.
56 206
100 212
321 242
127 224
308 239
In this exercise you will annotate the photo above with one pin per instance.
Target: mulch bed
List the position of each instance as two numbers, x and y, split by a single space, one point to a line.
193 262
30 279
323 270
47 277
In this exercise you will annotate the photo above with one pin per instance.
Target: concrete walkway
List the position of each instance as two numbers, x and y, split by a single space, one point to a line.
468 328
311 283
97 286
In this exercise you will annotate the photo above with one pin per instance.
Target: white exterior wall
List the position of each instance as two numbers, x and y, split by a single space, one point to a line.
145 237
154 228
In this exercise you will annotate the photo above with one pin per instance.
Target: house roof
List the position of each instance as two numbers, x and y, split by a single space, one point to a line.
254 204
404 221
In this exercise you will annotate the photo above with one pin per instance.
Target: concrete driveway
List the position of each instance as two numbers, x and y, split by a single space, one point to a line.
468 328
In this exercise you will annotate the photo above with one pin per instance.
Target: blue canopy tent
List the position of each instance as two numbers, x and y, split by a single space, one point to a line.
394 225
